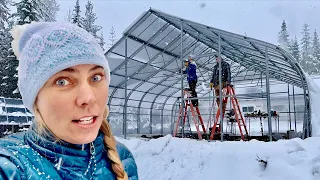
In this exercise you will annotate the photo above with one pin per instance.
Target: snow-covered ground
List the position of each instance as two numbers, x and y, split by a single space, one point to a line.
170 158
314 85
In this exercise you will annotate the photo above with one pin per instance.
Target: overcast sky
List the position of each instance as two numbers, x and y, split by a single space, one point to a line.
258 19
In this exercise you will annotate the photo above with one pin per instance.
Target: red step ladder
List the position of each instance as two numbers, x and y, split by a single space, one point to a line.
194 110
235 104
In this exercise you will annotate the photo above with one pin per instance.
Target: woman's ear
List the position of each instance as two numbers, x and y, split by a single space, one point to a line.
35 106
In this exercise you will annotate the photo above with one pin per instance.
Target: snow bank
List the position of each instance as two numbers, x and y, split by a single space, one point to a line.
175 159
314 89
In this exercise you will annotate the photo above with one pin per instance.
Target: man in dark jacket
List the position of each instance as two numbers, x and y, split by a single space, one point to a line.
225 79
191 71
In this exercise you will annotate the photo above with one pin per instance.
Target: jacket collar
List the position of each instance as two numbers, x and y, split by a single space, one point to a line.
70 154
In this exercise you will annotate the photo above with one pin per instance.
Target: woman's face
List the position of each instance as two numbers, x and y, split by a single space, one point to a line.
73 101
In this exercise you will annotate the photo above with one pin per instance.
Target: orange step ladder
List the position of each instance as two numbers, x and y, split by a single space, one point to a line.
194 110
235 104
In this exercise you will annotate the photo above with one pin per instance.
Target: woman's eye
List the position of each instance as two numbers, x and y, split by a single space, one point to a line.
62 82
96 78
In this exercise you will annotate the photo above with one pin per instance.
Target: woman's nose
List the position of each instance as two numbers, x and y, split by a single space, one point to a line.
85 95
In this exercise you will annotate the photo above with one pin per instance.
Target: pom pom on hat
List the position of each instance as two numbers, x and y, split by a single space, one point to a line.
16 33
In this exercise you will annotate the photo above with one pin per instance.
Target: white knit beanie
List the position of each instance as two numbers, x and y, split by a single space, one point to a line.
45 48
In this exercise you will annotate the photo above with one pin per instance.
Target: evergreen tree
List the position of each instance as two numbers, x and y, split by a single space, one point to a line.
316 47
47 9
112 37
305 42
26 12
89 20
308 63
4 16
283 37
305 49
4 45
10 80
101 41
76 16
294 49
8 68
4 13
68 18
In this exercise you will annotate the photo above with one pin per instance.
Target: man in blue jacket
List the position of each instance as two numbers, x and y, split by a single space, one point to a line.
191 71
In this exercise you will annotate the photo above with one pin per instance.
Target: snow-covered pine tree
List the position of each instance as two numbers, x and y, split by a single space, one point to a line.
294 49
101 41
283 38
112 37
308 64
4 16
316 46
89 20
68 18
8 68
4 13
76 16
9 75
10 85
26 12
305 42
47 9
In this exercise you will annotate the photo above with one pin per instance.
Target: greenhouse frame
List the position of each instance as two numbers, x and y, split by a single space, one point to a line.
146 81
145 94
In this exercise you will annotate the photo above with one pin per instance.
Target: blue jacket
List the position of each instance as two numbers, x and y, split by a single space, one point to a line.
191 72
26 155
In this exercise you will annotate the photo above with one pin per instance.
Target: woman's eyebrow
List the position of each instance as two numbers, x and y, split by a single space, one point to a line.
95 68
71 70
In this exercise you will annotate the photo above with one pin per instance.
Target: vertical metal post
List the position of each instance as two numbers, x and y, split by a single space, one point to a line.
173 109
161 132
182 76
150 124
289 106
268 96
125 90
261 84
309 115
294 109
138 121
220 90
305 117
261 80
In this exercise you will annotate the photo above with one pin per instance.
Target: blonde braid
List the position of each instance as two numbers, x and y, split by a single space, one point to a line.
110 144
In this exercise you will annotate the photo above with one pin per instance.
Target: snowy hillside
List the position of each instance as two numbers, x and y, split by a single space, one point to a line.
176 159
